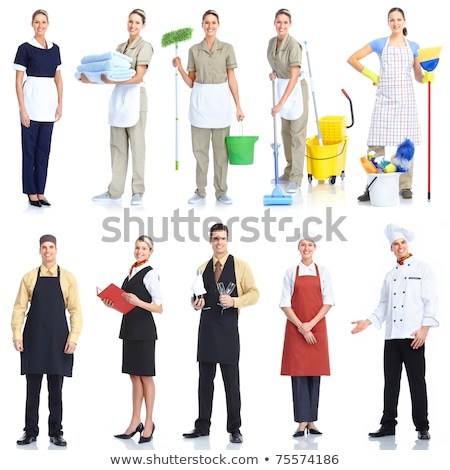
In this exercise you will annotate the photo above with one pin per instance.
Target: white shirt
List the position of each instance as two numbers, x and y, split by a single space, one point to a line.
151 283
289 282
408 301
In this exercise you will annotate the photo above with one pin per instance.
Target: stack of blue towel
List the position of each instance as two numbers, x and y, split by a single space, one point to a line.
114 65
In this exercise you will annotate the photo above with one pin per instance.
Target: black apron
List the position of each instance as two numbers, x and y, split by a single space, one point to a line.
218 334
46 331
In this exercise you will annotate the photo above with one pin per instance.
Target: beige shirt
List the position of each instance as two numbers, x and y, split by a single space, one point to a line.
288 55
139 50
69 288
248 293
210 67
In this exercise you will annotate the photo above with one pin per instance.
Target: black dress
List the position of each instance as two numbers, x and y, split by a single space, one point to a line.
138 331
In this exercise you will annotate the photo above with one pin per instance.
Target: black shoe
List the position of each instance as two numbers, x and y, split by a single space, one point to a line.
298 434
44 202
383 431
194 433
236 437
313 431
139 429
34 203
365 196
58 441
26 439
423 435
143 439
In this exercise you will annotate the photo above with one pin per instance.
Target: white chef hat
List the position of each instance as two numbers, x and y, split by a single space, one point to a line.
394 232
308 235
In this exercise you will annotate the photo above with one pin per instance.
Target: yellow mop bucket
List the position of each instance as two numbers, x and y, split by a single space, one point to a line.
241 149
326 161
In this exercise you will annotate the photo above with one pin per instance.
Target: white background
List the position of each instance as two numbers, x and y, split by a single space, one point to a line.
97 400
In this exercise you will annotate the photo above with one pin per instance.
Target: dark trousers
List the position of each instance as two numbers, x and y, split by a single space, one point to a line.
396 353
36 143
54 385
305 395
230 376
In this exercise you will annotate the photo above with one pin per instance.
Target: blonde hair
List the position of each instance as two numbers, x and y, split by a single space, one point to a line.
39 12
146 239
139 12
283 11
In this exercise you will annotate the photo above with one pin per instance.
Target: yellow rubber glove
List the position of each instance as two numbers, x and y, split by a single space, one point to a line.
428 77
372 75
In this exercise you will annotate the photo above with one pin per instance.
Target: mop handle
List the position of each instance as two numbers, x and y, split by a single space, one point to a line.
177 143
319 135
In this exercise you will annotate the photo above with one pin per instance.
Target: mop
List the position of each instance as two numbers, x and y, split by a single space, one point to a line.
174 37
311 83
277 198
429 58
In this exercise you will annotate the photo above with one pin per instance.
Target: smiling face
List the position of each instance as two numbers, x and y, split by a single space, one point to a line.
400 248
142 251
306 249
219 243
396 21
40 24
135 25
48 254
282 24
210 25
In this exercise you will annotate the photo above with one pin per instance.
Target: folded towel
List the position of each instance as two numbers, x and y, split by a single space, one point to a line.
106 56
112 64
115 76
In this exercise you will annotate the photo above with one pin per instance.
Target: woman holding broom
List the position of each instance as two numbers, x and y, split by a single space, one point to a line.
210 74
394 115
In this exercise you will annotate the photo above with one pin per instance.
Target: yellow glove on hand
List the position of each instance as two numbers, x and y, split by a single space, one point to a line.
428 77
369 74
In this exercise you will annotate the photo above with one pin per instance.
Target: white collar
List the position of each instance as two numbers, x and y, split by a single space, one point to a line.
35 43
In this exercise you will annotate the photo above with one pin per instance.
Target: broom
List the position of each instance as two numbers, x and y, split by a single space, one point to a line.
429 58
174 37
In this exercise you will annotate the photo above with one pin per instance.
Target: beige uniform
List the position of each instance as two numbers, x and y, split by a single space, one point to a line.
121 138
210 68
293 132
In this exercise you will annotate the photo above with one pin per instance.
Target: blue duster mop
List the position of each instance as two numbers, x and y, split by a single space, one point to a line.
403 156
278 197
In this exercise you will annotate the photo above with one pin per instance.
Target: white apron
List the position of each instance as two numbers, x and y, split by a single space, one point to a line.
40 98
124 105
293 107
210 106
394 116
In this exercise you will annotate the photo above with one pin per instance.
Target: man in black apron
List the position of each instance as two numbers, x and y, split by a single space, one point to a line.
46 346
218 335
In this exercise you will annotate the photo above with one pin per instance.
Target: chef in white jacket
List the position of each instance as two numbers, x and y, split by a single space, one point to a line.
409 305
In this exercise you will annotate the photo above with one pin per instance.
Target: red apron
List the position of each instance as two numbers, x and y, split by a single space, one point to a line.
299 357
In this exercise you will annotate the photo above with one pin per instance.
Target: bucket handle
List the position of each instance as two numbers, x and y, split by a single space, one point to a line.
241 129
371 183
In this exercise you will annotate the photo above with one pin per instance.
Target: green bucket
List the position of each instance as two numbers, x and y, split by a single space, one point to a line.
241 149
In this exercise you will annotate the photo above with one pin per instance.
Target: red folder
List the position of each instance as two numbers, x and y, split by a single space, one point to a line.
114 294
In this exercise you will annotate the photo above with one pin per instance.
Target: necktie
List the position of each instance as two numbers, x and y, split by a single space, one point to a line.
217 271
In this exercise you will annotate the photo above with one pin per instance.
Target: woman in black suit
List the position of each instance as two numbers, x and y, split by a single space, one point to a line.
138 332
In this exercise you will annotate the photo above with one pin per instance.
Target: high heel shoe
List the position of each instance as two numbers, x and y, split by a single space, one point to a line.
300 433
143 439
44 202
139 429
34 203
313 431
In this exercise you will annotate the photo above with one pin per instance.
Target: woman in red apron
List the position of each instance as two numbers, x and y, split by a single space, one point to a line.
394 115
306 298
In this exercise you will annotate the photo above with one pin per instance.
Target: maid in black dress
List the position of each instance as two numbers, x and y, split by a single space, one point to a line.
138 333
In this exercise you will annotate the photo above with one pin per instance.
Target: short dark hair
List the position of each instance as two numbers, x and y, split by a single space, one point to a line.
219 227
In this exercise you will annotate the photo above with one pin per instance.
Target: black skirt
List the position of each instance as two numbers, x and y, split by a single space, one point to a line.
138 357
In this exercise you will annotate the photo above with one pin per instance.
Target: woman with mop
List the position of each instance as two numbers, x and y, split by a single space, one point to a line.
128 116
306 298
210 74
394 116
285 57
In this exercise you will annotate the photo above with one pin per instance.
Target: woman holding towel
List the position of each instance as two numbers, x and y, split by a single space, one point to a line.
284 54
128 116
40 105
138 333
210 74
